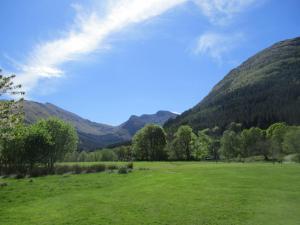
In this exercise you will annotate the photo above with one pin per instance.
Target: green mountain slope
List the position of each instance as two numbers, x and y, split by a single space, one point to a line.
94 135
263 90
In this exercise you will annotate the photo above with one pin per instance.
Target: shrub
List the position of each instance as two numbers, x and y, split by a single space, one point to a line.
90 169
98 168
20 176
142 168
130 165
112 167
38 172
60 170
122 170
296 158
257 158
78 169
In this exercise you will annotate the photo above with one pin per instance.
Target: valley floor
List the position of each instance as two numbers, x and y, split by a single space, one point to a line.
159 193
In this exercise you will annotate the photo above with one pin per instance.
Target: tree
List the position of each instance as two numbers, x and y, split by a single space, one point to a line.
230 144
82 156
182 144
123 153
108 155
214 135
149 143
12 155
37 145
275 134
202 145
236 127
63 136
291 140
11 112
253 142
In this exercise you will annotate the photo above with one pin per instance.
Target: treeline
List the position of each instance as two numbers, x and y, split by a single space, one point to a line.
24 148
152 144
39 145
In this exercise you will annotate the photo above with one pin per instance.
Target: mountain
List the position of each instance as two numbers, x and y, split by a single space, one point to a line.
94 135
262 90
137 122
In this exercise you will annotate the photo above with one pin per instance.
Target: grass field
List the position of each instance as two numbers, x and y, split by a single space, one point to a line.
166 193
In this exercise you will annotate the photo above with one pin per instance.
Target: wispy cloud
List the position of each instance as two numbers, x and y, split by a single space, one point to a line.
87 35
221 12
216 45
92 27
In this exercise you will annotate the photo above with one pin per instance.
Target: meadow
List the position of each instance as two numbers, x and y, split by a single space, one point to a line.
158 193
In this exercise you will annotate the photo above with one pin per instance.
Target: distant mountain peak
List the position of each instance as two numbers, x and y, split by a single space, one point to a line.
94 135
137 122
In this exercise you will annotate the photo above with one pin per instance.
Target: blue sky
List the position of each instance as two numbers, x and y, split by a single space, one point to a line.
106 61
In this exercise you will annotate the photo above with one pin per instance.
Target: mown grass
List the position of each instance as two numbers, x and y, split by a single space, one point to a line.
164 193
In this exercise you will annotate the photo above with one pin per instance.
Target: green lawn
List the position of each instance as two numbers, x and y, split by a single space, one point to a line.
167 193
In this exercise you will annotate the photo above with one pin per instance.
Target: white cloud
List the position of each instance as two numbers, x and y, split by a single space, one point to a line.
87 35
93 26
221 12
216 45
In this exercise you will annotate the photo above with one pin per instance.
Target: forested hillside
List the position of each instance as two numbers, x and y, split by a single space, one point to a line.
263 90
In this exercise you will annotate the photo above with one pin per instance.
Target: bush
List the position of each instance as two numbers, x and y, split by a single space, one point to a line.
78 169
112 167
20 176
143 168
38 172
257 158
296 158
122 170
98 168
89 169
60 170
130 165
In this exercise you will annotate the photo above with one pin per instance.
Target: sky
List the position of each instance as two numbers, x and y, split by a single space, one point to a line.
110 59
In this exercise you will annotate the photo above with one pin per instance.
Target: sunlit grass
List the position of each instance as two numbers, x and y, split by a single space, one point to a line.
159 193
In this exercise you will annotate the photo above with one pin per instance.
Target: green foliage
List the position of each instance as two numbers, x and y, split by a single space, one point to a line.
108 155
11 116
149 143
182 146
12 151
11 112
202 145
123 170
291 140
43 143
129 165
236 127
230 144
37 145
63 137
275 134
254 142
124 153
